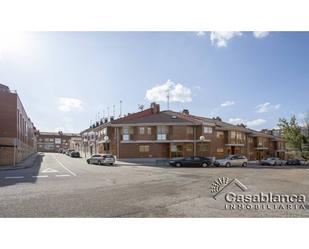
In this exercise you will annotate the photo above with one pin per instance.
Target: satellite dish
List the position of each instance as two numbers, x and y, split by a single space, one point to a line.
202 138
106 138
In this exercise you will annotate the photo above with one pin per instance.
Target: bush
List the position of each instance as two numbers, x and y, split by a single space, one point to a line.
305 155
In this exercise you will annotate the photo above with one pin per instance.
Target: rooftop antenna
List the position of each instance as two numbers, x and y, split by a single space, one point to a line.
168 98
108 112
103 114
114 112
120 111
141 107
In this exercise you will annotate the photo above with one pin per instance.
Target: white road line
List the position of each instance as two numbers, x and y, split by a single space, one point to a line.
62 175
14 177
39 176
61 164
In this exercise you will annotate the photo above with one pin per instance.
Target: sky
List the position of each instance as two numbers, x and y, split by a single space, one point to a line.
68 79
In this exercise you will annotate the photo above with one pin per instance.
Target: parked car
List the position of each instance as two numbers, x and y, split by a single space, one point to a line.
272 161
300 162
102 159
75 154
191 161
232 160
68 153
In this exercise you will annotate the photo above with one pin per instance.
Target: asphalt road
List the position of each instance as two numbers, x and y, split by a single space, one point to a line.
60 186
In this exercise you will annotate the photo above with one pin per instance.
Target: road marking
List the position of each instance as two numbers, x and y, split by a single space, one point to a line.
49 170
14 177
61 164
39 176
62 175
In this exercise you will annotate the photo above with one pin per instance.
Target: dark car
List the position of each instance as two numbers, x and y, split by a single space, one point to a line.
75 154
297 162
191 161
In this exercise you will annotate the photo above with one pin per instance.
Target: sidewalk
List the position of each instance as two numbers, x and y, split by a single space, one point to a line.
27 163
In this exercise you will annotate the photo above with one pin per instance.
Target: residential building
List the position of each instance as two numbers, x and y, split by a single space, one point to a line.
17 132
167 134
53 141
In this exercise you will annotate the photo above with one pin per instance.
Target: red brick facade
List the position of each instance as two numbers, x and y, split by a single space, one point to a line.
167 134
17 132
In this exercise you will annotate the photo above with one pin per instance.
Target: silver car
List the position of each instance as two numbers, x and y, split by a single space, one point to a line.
106 159
232 160
272 161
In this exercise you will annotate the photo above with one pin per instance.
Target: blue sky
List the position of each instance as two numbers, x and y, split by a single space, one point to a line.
64 78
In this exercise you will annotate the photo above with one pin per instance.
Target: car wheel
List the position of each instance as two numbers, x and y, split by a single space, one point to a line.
88 161
228 164
178 165
275 164
111 164
244 164
99 162
204 165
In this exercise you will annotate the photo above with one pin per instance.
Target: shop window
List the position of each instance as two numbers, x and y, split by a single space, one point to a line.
204 147
143 148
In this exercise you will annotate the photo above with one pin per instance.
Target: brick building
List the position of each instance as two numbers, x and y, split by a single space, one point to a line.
17 133
167 134
53 141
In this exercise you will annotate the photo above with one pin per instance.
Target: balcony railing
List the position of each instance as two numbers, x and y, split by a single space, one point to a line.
161 137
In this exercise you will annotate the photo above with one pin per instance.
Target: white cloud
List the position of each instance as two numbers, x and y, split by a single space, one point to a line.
255 122
177 92
260 34
236 121
227 103
69 104
267 107
220 39
250 123
201 33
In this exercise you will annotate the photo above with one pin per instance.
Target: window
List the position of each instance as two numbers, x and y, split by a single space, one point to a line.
207 130
51 140
162 132
149 130
143 148
220 134
189 130
141 130
126 137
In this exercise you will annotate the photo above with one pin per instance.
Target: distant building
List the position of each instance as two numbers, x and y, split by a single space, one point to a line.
17 132
53 141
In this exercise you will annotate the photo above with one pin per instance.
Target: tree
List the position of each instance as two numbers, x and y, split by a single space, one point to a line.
292 133
306 125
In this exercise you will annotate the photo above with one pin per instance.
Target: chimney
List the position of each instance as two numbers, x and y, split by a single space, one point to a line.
112 118
155 108
185 112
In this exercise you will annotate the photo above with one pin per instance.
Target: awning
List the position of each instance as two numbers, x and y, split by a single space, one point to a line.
235 145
